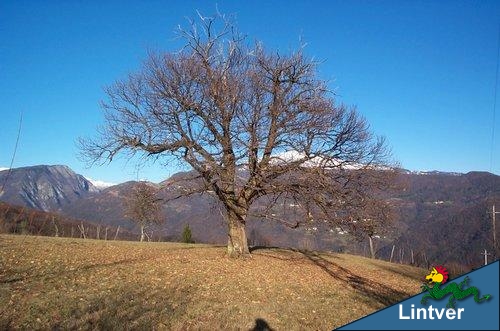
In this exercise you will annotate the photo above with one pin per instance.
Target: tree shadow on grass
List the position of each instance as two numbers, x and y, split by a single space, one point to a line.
380 293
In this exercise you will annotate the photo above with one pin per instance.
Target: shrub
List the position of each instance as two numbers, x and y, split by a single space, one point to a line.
187 235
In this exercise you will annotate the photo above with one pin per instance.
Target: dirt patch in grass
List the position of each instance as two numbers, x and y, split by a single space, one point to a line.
87 284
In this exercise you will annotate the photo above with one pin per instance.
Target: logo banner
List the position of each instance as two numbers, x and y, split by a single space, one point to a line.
469 302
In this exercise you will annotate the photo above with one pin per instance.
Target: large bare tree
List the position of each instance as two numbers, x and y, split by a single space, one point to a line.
255 126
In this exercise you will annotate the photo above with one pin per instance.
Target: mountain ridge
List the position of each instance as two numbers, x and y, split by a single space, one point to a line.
429 208
44 187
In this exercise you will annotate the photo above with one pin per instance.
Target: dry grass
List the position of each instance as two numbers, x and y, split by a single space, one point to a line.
48 283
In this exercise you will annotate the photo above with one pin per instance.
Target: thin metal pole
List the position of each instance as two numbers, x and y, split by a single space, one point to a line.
494 230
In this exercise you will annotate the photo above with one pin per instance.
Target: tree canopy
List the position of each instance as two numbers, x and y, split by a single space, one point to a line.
143 206
253 124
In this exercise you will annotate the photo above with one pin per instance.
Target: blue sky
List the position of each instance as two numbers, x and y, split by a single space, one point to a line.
421 72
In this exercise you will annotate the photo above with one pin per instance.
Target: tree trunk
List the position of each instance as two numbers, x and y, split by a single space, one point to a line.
372 249
55 227
81 227
142 233
237 243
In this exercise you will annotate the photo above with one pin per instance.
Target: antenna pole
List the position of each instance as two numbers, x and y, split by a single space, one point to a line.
493 212
493 219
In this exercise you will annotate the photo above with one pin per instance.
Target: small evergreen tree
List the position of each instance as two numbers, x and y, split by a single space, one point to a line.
187 235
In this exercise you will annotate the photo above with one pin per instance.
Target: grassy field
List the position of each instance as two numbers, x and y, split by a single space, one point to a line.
88 284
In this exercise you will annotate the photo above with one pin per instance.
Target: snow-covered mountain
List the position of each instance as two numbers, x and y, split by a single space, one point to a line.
318 161
101 185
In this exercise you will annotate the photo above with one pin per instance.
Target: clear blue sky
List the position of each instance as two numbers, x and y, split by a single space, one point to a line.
421 72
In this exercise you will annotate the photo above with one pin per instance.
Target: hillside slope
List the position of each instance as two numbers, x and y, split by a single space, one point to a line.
29 221
446 210
434 210
69 283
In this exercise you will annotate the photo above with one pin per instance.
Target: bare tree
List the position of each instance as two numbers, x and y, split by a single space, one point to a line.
143 206
372 220
81 227
254 125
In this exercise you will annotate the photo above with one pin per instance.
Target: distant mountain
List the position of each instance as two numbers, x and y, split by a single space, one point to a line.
105 206
99 184
442 217
44 187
